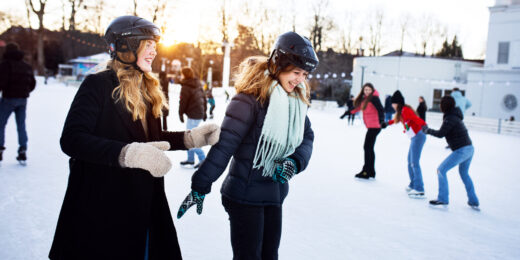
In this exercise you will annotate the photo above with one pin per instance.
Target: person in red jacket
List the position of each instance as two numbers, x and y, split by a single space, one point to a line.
412 127
373 116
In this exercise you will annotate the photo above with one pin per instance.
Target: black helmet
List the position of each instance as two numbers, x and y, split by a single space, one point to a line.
125 32
291 48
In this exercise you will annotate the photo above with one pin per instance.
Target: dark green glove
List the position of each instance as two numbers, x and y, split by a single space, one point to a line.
285 170
190 200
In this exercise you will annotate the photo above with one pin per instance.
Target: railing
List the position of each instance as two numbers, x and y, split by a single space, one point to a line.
499 126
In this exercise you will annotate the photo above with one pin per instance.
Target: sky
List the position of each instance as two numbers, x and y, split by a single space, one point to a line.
192 20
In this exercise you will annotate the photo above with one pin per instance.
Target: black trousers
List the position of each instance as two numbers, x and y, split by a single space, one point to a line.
255 230
370 155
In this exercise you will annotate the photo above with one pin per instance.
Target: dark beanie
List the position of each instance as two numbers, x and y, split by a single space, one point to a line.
398 98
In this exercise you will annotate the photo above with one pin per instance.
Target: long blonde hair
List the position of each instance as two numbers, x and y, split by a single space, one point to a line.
252 79
137 88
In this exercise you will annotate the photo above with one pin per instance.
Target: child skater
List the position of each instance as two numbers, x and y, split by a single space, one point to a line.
373 116
412 127
267 132
459 142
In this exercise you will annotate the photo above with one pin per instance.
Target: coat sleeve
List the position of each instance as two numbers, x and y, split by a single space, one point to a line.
239 118
183 100
176 140
446 127
303 152
4 75
77 139
409 115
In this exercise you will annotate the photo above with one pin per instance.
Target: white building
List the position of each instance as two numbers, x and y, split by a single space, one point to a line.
493 88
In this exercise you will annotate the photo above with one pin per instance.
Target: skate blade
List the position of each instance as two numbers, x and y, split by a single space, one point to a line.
22 162
439 207
416 196
475 208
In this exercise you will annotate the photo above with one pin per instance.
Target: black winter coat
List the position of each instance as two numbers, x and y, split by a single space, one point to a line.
192 100
16 76
421 110
453 129
240 134
107 209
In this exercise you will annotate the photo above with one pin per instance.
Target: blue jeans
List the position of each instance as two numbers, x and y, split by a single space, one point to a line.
461 157
388 116
18 106
190 124
414 156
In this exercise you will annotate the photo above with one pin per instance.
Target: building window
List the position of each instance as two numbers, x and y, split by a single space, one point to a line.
437 96
503 53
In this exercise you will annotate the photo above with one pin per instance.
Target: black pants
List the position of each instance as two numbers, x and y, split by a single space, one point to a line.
370 155
255 230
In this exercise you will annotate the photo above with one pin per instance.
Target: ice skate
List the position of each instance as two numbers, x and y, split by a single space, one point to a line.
22 156
438 204
414 194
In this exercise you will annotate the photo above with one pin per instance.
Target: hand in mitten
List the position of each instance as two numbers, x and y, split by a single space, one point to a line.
147 156
206 134
425 129
285 170
181 118
190 200
205 117
384 125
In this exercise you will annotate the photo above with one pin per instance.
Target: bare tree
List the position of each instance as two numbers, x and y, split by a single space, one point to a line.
135 7
320 23
404 23
375 29
426 32
39 13
158 11
346 44
75 5
225 21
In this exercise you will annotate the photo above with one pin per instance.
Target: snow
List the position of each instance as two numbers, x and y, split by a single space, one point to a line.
328 213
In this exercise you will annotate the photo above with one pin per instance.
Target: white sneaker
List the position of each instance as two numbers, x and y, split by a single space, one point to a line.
416 194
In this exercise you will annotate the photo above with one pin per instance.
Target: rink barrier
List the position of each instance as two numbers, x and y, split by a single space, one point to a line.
492 125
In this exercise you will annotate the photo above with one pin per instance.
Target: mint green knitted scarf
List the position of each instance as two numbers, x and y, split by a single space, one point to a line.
283 128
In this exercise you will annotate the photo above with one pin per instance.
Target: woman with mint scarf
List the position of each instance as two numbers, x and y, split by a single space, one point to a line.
267 132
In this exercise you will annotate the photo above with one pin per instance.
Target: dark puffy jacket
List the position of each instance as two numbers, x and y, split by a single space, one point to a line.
388 105
453 129
241 130
16 76
192 100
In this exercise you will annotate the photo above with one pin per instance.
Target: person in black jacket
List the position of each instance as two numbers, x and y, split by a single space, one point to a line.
115 206
16 82
192 102
422 108
458 140
268 134
389 110
350 107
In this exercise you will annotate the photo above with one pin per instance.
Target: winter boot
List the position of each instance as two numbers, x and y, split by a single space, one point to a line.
22 156
2 149
362 175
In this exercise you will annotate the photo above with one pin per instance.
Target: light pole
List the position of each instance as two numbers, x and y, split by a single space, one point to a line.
226 65
363 75
189 61
210 74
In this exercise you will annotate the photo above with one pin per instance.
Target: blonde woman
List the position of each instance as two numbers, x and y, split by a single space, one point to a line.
115 206
267 132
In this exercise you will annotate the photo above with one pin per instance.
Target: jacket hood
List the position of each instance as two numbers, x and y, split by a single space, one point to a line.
374 94
454 112
15 55
192 83
456 94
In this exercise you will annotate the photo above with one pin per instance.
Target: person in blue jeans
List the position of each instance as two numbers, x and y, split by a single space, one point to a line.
192 103
459 142
16 82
